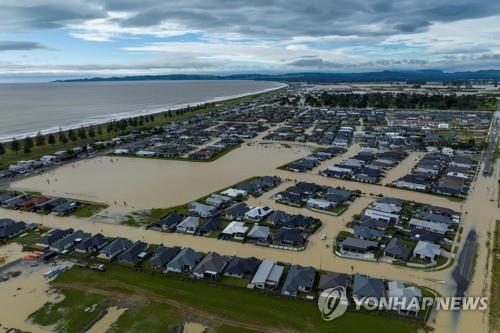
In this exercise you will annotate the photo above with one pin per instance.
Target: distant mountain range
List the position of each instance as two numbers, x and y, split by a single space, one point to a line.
384 76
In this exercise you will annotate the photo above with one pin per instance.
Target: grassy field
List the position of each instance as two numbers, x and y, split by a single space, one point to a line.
494 303
88 209
69 315
213 301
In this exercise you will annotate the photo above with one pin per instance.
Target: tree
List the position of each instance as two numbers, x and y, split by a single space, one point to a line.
2 149
51 139
91 132
14 145
40 139
99 130
82 134
28 144
72 136
62 137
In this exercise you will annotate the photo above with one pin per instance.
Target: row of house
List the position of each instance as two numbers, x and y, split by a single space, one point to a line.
38 203
368 166
394 230
289 280
314 196
441 173
311 161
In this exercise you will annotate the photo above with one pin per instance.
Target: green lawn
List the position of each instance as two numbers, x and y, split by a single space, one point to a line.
88 209
147 317
234 303
69 315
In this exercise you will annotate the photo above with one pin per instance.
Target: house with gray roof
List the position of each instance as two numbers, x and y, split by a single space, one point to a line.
211 266
440 228
189 225
259 234
117 246
203 210
298 279
365 286
268 275
427 251
184 261
405 296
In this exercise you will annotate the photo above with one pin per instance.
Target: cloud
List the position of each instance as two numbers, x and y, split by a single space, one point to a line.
20 46
259 35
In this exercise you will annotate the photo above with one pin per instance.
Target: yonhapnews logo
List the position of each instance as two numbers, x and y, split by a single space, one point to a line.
333 303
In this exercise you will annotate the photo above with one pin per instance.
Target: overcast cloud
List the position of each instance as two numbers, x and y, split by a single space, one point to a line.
227 36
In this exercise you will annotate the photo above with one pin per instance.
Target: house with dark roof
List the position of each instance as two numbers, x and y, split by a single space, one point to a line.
356 245
134 254
210 225
241 267
10 229
278 217
53 236
368 233
301 222
167 223
299 279
114 248
91 244
333 280
162 256
397 249
288 237
365 286
236 211
184 261
211 266
68 242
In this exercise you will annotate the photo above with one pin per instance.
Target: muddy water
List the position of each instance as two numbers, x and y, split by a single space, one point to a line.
146 183
103 325
164 189
192 327
23 295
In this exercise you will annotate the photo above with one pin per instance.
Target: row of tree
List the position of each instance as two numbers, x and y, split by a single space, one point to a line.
84 133
403 101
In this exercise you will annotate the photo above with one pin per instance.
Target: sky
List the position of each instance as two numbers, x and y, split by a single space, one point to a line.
74 38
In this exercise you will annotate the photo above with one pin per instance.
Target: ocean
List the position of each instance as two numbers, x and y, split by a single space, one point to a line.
27 108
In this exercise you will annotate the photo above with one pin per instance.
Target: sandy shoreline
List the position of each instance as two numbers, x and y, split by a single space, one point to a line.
127 115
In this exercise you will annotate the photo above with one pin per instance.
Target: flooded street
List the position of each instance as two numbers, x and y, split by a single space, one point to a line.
149 183
146 184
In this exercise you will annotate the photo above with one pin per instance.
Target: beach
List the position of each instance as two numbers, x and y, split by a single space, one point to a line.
28 108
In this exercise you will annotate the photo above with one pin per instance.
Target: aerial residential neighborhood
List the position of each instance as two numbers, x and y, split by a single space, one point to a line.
246 166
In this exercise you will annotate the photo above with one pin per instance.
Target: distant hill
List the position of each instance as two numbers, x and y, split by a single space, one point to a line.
384 76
